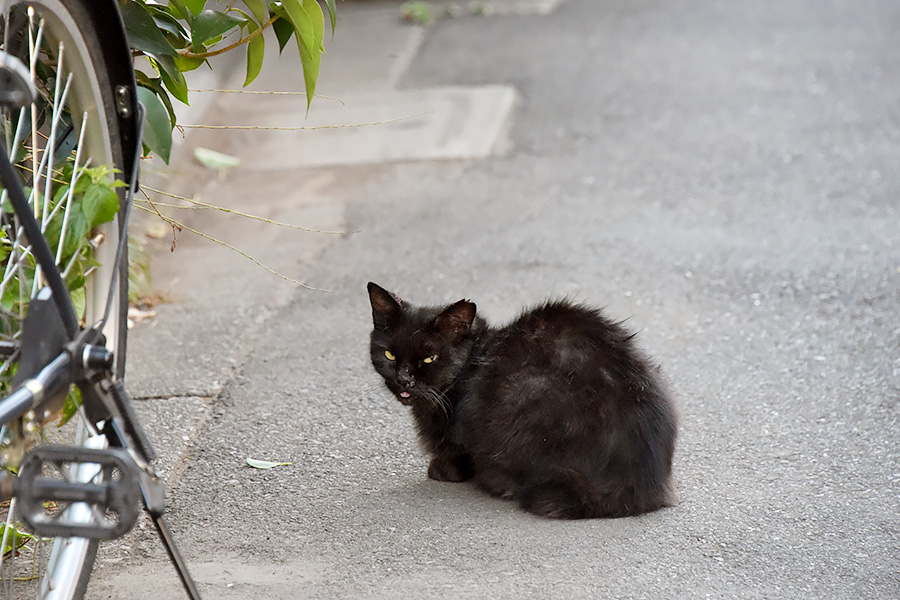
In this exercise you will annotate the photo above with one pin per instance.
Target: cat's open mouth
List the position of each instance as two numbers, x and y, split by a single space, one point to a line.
405 396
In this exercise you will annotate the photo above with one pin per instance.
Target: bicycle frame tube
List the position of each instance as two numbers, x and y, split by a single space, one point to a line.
54 377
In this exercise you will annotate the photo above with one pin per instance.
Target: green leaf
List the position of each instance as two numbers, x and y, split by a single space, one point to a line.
60 191
283 32
258 8
309 29
101 174
186 64
51 232
79 303
180 10
211 24
15 539
256 49
313 59
332 13
298 11
143 32
167 23
215 160
265 464
157 87
172 78
195 6
10 294
75 277
100 204
310 74
61 175
157 126
76 232
73 400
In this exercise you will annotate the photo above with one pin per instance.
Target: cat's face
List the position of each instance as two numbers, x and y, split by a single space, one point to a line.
419 351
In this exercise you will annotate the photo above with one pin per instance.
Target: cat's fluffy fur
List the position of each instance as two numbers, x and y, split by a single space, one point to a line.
557 410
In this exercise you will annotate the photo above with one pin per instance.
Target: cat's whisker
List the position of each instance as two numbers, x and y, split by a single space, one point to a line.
439 400
374 391
371 388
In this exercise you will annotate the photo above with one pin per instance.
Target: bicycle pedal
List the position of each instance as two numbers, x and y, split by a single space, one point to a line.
64 491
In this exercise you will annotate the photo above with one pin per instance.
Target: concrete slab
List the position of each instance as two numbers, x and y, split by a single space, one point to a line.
214 298
501 7
359 117
188 351
173 425
374 127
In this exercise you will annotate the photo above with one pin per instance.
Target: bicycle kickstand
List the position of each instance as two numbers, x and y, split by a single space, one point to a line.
154 489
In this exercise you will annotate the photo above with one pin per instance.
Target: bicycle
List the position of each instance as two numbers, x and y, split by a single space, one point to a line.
69 109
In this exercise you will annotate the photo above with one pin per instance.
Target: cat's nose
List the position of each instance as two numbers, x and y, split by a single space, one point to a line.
404 377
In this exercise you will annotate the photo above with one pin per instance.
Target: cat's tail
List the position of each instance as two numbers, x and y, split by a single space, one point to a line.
569 494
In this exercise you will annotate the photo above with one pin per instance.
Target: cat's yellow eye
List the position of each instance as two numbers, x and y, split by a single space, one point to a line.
389 355
430 359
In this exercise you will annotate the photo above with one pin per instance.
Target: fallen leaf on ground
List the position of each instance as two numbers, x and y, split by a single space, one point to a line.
265 464
136 314
215 160
158 230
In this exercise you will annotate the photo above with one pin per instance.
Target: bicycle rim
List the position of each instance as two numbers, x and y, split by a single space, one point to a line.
74 121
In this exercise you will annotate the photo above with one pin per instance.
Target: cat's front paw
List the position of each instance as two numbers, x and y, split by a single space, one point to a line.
451 468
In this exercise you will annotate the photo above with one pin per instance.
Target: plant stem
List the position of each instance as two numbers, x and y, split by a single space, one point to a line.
209 54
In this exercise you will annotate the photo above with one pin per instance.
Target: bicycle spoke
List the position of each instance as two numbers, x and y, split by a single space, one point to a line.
7 562
68 199
33 57
59 98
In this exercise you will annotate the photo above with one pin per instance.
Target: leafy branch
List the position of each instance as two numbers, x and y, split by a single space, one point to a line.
181 36
185 52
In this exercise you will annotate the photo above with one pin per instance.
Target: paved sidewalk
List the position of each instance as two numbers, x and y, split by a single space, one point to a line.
721 174
214 299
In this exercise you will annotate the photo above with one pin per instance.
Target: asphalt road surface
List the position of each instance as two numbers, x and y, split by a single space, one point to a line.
723 174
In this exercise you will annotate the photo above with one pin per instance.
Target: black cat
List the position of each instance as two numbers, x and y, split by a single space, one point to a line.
558 410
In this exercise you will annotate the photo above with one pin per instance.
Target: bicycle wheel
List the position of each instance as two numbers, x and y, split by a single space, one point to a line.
79 135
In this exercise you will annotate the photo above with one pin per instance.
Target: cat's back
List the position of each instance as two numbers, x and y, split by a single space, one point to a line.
561 348
565 333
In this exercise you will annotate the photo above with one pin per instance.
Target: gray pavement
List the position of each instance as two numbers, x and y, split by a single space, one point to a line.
722 174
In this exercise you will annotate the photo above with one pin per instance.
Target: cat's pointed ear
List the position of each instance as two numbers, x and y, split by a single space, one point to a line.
386 307
456 320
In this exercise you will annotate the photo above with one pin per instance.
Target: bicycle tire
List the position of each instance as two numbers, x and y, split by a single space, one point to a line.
96 53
